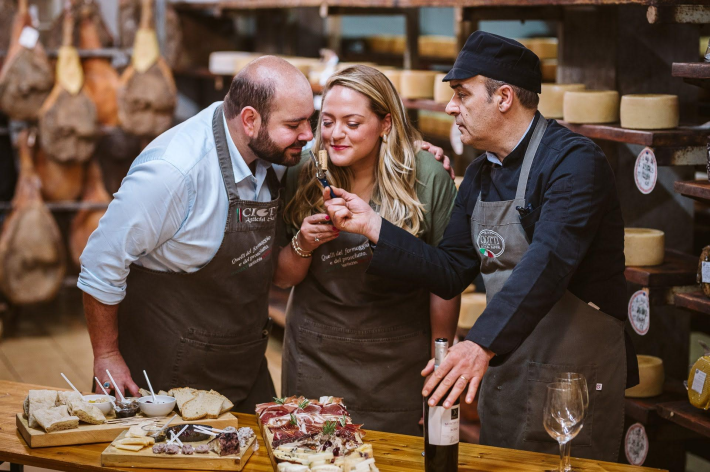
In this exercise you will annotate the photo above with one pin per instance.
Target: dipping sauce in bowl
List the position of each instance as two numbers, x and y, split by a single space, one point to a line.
162 405
102 402
127 408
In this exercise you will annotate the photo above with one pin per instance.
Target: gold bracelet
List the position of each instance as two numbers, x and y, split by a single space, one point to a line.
297 249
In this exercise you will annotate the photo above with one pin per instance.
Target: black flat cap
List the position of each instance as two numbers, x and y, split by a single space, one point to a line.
497 58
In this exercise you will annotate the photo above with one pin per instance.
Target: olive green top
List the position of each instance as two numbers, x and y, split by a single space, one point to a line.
435 190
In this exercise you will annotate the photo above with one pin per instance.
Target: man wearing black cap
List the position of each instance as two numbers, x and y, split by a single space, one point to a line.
538 216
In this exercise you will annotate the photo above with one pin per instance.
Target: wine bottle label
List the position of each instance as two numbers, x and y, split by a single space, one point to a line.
443 425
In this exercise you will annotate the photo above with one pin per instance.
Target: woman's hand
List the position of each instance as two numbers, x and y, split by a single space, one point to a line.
316 230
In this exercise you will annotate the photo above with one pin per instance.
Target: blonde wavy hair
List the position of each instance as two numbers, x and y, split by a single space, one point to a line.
394 190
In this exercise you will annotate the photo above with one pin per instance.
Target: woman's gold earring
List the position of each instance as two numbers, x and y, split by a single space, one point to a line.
384 138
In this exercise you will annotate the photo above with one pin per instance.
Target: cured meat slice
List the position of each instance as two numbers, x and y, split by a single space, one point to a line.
32 259
147 94
67 120
26 76
85 222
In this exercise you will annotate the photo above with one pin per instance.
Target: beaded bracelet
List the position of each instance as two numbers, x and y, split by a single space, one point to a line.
297 249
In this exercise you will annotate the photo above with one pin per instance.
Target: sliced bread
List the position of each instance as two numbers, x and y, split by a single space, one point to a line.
182 396
40 400
226 404
55 419
68 397
87 412
203 405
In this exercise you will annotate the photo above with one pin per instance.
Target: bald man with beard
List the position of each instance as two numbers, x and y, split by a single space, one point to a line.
176 277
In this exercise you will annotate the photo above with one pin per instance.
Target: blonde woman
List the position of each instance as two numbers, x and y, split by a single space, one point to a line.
348 334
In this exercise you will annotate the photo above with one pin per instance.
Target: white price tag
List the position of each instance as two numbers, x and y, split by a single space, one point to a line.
705 272
646 171
640 312
455 138
699 381
636 444
28 37
443 425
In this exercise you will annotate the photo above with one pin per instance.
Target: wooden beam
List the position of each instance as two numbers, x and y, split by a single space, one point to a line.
692 14
512 13
411 52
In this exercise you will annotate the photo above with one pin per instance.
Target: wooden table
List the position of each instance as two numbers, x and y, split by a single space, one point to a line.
393 452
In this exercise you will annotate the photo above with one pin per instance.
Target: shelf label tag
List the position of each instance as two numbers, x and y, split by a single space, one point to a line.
646 171
443 425
699 381
640 312
636 444
28 37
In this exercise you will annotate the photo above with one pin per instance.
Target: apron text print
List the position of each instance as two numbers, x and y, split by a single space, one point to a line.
256 215
490 243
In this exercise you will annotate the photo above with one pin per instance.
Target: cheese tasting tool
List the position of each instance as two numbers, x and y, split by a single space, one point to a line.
321 168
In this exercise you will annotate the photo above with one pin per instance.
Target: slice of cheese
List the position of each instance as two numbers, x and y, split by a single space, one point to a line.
395 77
417 84
127 447
643 246
442 90
650 111
591 106
551 98
472 305
651 377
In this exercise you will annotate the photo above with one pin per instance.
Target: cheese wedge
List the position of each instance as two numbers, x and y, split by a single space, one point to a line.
591 106
650 111
127 447
643 246
552 96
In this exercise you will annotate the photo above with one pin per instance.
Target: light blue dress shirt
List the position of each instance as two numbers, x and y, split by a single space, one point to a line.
170 212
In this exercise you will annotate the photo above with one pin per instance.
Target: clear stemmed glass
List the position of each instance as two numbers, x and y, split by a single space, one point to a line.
581 382
563 414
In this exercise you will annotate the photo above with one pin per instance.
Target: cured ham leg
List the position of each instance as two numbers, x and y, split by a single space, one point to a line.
86 221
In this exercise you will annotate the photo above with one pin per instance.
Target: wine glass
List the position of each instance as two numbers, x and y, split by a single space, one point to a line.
563 414
581 382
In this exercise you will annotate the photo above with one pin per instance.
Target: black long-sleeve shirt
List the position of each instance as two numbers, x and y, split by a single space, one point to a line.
576 235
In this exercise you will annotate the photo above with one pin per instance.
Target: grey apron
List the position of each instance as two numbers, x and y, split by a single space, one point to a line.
209 329
357 336
572 337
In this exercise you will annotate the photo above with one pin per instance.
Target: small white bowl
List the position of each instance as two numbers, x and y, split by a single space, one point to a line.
104 406
164 406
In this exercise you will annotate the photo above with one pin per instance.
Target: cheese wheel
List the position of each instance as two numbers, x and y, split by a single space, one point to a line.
228 62
472 305
457 181
643 246
699 383
651 378
397 45
443 125
548 68
544 48
417 84
442 90
551 98
591 106
395 77
650 111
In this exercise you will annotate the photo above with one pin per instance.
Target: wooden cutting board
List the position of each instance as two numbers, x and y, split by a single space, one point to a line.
146 459
88 434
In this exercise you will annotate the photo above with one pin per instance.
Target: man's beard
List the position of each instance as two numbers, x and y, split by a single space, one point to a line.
265 148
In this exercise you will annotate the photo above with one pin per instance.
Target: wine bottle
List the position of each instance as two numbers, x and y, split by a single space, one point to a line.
441 426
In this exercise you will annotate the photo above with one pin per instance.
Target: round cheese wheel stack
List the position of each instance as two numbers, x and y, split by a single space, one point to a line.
643 246
591 106
472 305
548 68
651 378
442 90
650 111
417 84
551 98
395 77
544 48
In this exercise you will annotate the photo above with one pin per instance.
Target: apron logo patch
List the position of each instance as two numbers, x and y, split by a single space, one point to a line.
256 215
491 244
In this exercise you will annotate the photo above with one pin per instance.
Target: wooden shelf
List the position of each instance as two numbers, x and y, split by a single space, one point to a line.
695 189
691 70
644 410
429 105
687 416
694 301
678 269
683 136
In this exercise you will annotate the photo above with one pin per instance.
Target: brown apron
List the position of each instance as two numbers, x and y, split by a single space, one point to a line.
572 337
209 329
357 336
